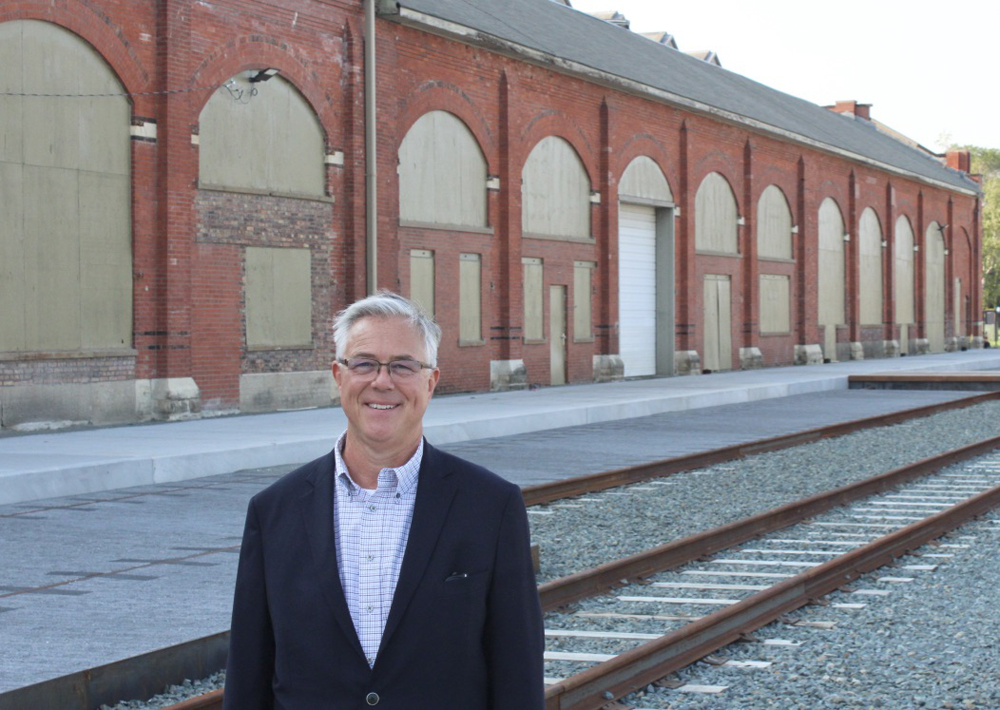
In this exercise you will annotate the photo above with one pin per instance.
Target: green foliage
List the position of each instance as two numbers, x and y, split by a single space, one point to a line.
986 161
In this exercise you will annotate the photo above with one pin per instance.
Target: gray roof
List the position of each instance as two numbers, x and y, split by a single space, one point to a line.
573 40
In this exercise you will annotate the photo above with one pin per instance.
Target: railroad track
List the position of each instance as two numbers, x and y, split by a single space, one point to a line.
835 547
589 664
591 582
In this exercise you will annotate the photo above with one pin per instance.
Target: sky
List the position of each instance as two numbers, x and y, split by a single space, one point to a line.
925 66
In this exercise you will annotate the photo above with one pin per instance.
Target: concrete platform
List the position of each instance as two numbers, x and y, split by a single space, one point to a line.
983 381
97 575
53 464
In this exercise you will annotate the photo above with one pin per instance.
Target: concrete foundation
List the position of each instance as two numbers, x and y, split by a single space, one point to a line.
279 391
506 375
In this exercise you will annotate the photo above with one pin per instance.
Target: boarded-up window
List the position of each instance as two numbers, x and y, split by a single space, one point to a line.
644 182
934 287
774 225
470 318
442 173
582 328
830 274
555 191
959 327
422 279
715 216
775 304
903 271
278 297
532 298
272 143
870 268
65 195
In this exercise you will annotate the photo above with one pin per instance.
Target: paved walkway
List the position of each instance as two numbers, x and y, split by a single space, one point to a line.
92 576
54 464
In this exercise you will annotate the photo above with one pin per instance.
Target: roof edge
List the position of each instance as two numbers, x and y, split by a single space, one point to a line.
472 36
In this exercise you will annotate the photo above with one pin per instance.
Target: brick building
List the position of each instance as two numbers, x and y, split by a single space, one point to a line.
183 193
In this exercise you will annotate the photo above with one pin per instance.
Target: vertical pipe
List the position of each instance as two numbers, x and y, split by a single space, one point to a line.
371 156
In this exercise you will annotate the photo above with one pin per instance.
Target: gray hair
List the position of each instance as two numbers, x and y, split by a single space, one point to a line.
386 304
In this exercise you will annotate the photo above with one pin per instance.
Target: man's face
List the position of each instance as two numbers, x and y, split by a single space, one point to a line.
383 413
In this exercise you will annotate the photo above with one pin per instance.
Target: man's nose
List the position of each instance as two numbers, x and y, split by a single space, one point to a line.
383 378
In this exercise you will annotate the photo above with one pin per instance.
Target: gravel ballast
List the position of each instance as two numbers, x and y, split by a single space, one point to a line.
926 639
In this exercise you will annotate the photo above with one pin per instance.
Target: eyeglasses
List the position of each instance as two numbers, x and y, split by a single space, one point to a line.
366 368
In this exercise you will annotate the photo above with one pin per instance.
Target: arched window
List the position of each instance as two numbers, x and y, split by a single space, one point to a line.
644 182
774 225
830 273
270 143
65 195
715 216
902 272
870 268
934 287
442 173
555 191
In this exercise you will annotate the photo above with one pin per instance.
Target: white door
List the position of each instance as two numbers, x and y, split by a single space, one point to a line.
637 289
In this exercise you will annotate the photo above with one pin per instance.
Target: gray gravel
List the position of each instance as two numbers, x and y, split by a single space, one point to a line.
925 640
578 538
174 694
931 643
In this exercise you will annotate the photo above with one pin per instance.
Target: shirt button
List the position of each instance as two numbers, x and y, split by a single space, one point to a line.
370 558
370 609
372 509
372 699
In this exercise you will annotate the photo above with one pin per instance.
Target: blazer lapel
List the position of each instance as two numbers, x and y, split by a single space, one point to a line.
317 516
434 495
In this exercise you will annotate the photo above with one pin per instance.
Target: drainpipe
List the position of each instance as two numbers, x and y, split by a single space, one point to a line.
371 156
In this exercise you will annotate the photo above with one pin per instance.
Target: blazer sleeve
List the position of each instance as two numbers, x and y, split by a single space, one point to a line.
250 667
514 635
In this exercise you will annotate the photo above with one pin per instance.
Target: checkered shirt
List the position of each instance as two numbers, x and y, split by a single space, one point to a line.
371 528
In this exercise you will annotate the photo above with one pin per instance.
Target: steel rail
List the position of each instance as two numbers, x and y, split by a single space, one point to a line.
633 670
572 588
209 701
592 482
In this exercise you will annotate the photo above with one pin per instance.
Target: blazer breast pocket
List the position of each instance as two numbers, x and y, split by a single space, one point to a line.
464 582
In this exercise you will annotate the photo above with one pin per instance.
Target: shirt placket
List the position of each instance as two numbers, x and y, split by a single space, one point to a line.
369 573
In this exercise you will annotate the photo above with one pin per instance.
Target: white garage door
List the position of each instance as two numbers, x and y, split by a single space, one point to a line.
637 289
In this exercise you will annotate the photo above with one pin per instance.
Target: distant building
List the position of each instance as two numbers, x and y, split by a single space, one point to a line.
183 191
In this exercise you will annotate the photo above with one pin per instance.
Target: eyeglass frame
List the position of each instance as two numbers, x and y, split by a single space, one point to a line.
388 366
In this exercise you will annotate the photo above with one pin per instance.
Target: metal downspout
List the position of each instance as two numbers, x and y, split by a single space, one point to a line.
371 155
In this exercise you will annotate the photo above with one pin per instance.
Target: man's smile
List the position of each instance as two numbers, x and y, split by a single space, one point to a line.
382 406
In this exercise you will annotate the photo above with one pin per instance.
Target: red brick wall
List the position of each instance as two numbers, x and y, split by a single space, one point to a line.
188 260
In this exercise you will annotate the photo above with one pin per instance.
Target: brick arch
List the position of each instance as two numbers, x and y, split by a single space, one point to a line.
836 190
878 215
696 184
556 123
725 168
443 96
250 52
106 39
968 238
784 179
645 144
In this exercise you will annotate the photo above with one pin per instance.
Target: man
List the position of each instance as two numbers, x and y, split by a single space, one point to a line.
386 573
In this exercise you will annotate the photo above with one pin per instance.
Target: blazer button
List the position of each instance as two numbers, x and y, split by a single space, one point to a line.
372 699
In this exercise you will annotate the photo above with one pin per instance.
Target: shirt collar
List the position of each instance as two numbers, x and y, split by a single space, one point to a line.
406 475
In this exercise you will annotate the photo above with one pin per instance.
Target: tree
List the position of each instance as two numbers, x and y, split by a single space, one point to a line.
986 161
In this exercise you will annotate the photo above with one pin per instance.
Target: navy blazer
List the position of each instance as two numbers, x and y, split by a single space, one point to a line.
451 642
